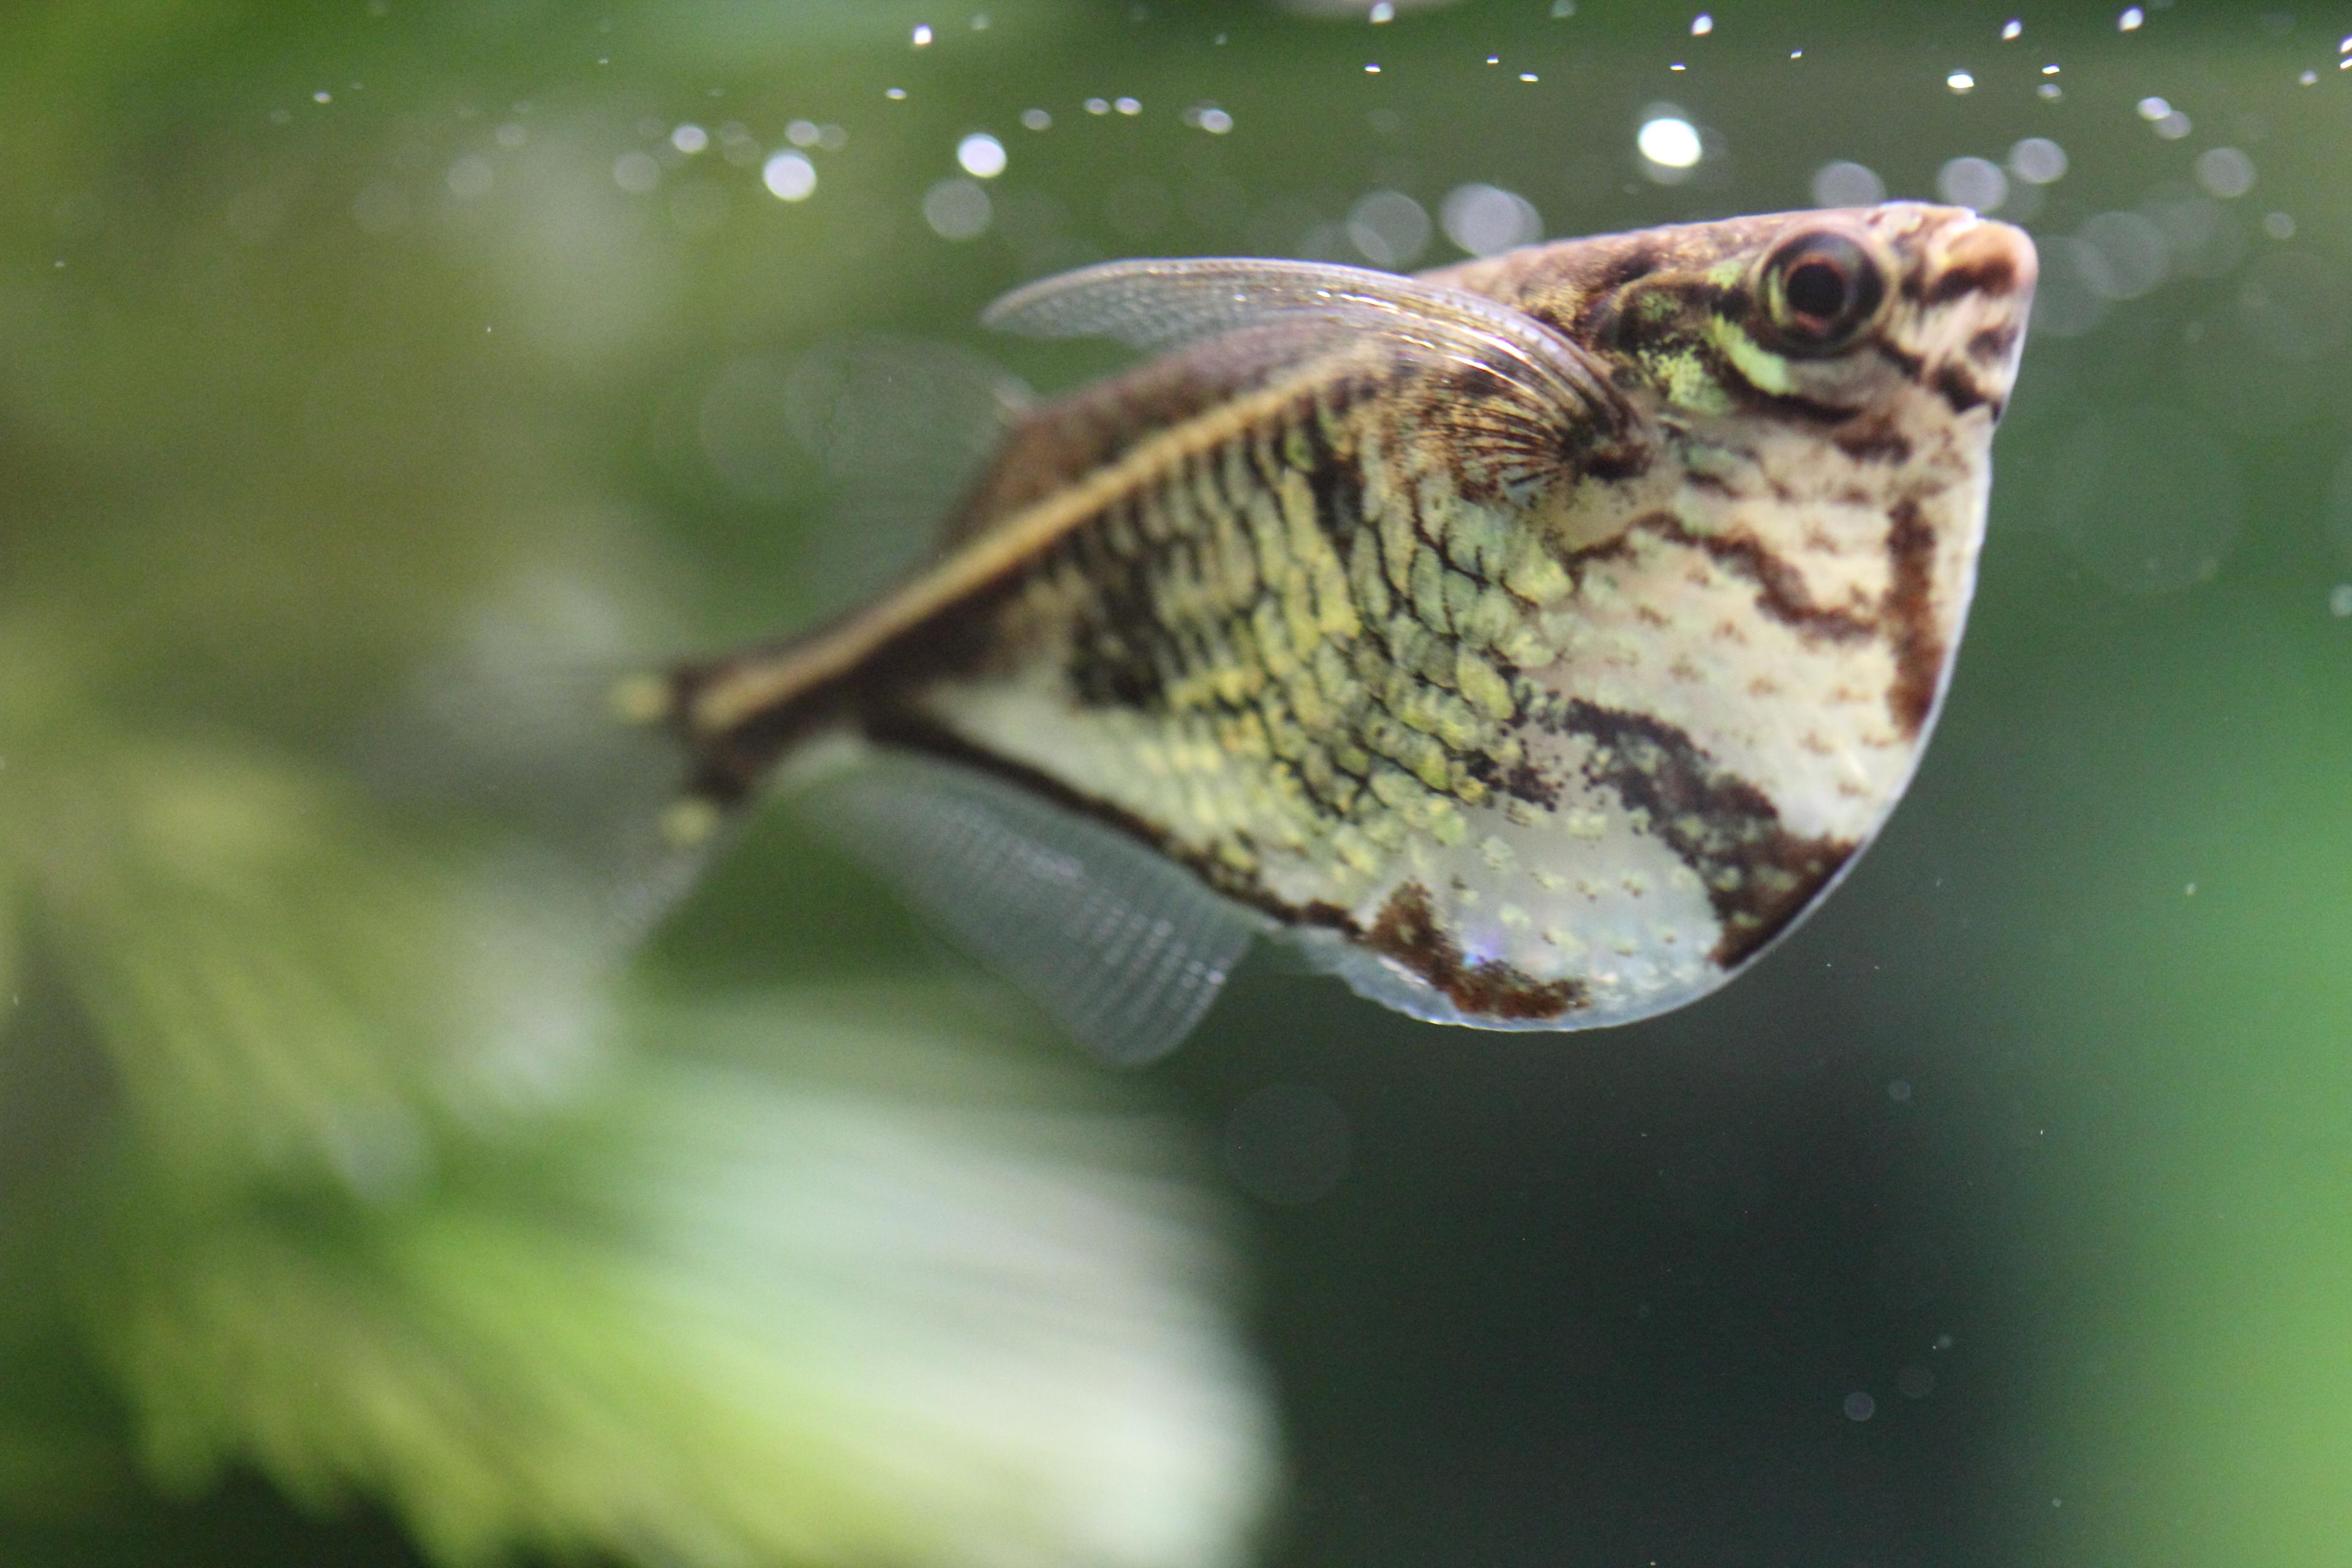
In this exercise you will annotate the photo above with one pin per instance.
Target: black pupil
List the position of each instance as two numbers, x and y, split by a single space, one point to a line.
1817 288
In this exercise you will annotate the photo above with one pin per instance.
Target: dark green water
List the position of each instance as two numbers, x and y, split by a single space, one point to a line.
374 379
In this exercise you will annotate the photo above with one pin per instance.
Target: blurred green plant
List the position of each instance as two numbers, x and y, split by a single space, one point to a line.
345 1143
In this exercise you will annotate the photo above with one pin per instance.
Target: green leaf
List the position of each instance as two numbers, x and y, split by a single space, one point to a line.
718 1320
283 981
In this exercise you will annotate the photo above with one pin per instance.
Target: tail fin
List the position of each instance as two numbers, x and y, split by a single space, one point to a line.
737 718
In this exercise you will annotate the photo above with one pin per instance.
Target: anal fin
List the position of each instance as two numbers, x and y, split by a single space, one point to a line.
1123 948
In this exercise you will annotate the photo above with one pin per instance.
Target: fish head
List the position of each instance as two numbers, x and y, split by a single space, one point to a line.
1816 313
1768 576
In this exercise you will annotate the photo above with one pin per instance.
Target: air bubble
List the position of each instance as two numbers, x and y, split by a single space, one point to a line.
2202 239
2225 172
2038 160
1669 145
1844 183
957 209
1390 228
636 172
1972 182
789 176
1485 220
1959 81
1860 1406
2133 249
980 155
2076 286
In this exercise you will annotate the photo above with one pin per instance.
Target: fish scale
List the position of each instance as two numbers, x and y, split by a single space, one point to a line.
1287 641
1533 644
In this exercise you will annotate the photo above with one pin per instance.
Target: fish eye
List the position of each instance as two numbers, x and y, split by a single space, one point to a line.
1820 290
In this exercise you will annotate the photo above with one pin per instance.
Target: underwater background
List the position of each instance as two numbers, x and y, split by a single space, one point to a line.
402 1162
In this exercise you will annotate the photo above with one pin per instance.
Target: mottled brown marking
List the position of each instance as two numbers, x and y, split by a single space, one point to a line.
1910 618
1758 876
1901 359
1958 388
1874 441
1993 344
1407 932
1990 274
1780 588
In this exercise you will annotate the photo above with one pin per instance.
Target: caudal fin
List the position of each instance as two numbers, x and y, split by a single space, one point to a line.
736 717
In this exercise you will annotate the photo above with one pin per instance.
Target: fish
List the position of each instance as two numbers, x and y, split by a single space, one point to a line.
1531 643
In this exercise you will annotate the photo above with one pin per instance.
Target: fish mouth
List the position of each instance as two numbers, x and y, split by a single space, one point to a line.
1971 289
1971 256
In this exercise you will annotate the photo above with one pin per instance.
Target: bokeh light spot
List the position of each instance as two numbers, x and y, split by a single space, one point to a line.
1972 182
1845 184
980 155
957 209
789 176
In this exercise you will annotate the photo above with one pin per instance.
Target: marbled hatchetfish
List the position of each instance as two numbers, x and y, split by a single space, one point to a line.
1533 641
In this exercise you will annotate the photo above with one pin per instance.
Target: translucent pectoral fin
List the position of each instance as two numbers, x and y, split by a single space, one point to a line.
1519 400
1123 948
1160 304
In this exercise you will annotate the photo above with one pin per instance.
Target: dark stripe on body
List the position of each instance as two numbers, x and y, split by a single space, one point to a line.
1758 875
1993 275
1780 592
1910 618
1958 389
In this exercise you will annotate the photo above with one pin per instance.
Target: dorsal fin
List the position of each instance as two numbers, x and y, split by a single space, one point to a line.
1058 443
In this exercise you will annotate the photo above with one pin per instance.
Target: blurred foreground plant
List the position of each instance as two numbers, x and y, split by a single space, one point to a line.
344 1140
